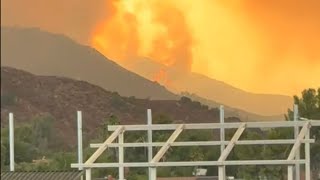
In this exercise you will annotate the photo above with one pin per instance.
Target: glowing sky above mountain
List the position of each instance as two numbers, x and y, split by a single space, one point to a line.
264 46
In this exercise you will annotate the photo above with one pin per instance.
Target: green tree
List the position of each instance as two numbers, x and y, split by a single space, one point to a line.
245 152
276 152
103 128
42 132
308 104
309 107
118 102
162 136
62 160
25 151
3 154
104 133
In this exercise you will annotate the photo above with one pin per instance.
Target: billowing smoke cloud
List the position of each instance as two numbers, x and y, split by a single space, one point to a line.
270 46
176 42
117 36
152 29
288 27
263 46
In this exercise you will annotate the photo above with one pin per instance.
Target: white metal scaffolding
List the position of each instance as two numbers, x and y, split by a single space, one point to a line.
292 161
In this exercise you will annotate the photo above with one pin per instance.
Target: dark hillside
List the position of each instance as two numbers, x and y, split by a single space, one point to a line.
28 95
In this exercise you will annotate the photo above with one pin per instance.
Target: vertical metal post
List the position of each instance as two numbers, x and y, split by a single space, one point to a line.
290 172
222 169
307 156
153 173
121 156
296 133
80 149
88 174
150 153
11 141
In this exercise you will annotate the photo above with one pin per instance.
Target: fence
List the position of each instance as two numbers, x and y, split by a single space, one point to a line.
293 160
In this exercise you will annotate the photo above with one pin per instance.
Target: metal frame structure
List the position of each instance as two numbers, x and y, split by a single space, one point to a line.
11 141
293 159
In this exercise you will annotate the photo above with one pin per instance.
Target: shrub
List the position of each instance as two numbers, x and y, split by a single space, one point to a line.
8 99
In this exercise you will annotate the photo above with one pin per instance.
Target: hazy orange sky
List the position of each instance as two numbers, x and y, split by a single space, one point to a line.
265 46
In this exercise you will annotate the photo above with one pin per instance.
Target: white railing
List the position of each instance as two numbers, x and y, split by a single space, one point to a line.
293 160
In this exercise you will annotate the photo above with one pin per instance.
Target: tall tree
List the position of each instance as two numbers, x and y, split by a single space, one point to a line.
309 107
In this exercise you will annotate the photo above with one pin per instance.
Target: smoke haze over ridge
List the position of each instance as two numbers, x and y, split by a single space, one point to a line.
265 46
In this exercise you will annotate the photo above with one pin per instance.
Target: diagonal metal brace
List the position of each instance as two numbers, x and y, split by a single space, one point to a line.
300 137
232 142
166 146
104 146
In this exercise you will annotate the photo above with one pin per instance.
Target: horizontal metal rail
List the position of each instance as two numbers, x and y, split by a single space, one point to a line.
233 125
189 163
205 143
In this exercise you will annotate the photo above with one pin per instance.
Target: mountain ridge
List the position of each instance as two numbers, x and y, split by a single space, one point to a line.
234 112
61 56
215 90
44 53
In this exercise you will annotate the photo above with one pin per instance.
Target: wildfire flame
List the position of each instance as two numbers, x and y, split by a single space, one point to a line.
161 77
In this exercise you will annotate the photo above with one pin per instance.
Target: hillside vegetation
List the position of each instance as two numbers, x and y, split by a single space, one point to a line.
45 108
29 96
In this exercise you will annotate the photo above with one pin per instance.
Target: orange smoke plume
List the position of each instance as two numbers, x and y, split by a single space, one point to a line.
264 46
152 29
